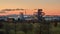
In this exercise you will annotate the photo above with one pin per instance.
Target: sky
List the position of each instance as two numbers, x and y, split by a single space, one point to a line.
50 7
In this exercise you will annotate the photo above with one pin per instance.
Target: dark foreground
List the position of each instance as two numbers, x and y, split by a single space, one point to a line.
26 28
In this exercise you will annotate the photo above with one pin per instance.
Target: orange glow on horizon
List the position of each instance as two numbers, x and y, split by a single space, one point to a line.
47 12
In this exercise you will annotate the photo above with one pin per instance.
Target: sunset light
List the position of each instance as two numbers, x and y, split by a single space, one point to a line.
50 7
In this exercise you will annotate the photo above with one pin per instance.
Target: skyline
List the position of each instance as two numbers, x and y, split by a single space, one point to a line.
50 7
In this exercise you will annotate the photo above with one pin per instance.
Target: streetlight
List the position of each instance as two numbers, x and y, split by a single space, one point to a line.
25 11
